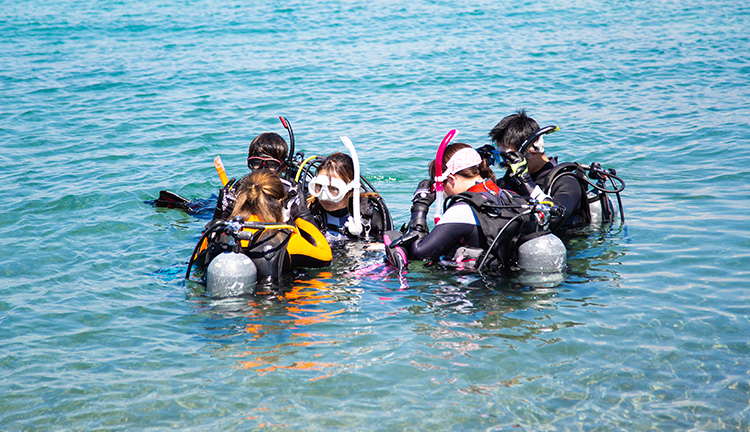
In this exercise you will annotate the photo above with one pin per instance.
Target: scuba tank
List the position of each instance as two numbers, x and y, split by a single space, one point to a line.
597 205
231 274
543 254
237 253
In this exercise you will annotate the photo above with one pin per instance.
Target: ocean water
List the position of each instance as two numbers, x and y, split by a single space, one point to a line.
104 103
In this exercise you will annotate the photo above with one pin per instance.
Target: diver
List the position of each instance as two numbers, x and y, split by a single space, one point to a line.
531 173
482 222
266 151
338 206
258 231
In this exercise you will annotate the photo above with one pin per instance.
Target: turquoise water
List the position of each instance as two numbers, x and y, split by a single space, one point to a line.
103 104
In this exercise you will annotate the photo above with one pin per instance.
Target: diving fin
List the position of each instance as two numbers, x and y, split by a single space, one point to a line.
172 200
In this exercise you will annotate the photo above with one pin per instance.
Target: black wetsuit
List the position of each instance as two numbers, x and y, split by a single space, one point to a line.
375 219
295 206
566 193
459 226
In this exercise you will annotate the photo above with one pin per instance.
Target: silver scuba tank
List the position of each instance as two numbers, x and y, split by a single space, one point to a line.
542 262
598 214
231 274
544 254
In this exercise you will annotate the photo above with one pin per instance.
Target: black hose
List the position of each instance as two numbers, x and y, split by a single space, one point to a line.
209 231
290 157
619 200
593 185
499 234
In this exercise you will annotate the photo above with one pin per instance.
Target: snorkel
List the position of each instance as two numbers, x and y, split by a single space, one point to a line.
539 132
290 157
354 224
439 194
219 165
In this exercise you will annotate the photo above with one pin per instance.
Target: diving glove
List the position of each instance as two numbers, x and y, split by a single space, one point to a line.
518 177
423 197
225 201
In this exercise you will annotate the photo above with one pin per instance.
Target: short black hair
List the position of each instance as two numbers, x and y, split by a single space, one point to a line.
268 144
513 130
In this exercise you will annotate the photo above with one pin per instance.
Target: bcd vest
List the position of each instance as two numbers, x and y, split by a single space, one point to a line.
502 223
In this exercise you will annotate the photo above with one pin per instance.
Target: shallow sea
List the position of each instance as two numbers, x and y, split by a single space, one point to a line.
104 103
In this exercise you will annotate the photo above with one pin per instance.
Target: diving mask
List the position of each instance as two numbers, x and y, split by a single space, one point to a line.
331 189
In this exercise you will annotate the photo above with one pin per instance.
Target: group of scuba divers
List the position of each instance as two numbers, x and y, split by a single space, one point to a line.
288 210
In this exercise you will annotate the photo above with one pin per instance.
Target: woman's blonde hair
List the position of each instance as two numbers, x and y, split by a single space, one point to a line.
261 194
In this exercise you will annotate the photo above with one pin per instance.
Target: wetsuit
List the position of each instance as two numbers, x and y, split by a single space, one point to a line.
375 219
460 226
294 207
566 194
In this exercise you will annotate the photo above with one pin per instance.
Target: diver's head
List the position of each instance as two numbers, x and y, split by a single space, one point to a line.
267 150
261 194
333 184
512 131
462 168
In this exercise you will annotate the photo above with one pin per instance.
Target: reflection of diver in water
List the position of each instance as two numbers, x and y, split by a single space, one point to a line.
592 251
270 333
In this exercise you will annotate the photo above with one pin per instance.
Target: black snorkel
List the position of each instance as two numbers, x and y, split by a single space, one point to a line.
290 158
539 132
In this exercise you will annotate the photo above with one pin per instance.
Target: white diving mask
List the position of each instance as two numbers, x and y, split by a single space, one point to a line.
331 189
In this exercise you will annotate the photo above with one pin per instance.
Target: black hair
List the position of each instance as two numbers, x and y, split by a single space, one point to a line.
269 144
513 130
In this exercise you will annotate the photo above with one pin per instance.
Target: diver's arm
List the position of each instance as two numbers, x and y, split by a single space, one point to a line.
441 239
566 193
297 205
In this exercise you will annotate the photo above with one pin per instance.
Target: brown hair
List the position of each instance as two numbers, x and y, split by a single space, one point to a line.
483 169
261 194
342 166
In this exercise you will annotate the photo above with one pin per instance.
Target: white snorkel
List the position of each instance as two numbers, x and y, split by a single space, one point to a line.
354 224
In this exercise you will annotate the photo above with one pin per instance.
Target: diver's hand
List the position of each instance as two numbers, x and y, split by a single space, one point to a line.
225 201
519 179
423 197
487 153
516 163
517 176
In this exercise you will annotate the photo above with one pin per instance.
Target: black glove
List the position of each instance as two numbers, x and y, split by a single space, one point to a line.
225 201
423 197
487 153
396 250
421 202
517 176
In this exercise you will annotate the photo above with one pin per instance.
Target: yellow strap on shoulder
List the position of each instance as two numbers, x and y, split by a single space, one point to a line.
302 165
